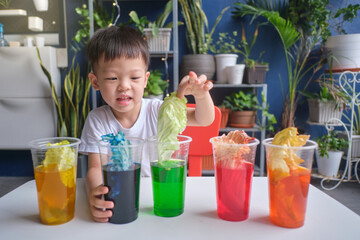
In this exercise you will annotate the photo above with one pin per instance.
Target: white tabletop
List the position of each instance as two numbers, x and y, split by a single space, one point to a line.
326 218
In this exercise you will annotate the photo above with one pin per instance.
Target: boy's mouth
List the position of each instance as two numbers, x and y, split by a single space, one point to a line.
124 100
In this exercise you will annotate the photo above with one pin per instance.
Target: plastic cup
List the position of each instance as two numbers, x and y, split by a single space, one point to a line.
234 166
288 191
121 168
169 175
55 176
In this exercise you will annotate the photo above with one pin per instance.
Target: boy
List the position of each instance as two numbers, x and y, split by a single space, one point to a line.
120 58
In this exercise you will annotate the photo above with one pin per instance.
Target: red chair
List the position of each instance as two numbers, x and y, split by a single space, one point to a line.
200 146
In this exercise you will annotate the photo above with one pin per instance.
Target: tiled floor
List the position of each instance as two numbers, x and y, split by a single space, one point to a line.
348 193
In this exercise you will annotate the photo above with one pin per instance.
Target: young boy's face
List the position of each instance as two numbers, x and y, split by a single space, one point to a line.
121 82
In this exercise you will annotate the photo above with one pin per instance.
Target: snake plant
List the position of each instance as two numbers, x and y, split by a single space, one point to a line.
198 37
72 107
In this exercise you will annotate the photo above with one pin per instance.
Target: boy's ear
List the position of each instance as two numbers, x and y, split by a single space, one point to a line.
146 78
93 81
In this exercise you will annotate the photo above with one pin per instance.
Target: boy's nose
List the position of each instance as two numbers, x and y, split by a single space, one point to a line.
123 85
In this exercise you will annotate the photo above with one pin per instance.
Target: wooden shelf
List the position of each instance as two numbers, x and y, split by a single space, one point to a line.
162 54
12 13
256 128
222 85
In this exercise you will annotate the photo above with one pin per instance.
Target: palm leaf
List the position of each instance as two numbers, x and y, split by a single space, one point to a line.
287 32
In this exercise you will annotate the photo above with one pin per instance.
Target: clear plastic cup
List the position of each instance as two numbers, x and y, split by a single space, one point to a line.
55 176
234 166
121 168
169 175
288 186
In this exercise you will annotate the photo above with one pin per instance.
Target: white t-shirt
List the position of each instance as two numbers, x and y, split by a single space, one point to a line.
101 121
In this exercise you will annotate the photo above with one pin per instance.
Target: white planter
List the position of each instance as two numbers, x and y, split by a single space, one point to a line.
235 74
345 49
223 61
355 144
322 112
329 166
161 43
41 5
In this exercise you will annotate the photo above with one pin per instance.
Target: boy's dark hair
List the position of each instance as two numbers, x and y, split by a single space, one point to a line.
114 42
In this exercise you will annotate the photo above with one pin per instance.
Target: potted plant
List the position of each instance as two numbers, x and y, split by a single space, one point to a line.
72 107
157 33
326 104
155 86
344 48
242 109
300 32
225 50
329 154
5 3
198 39
101 20
255 71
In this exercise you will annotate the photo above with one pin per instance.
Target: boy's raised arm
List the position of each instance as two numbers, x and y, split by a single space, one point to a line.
203 114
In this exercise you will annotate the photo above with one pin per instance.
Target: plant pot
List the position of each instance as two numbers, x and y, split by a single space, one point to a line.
322 112
242 119
329 166
256 74
355 144
161 43
235 74
224 117
41 5
345 49
199 63
222 62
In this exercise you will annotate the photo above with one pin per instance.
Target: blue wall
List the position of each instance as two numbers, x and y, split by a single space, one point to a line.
18 163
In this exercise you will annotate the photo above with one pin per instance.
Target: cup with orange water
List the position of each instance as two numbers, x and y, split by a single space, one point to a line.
55 161
289 173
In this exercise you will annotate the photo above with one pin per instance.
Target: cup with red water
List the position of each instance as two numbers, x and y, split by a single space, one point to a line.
234 166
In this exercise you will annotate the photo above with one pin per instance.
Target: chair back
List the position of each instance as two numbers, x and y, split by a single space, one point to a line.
200 145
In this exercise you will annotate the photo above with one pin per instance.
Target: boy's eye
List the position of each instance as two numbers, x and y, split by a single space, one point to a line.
111 78
135 78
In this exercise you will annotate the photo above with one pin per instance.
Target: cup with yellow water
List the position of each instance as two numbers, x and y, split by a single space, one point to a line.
55 161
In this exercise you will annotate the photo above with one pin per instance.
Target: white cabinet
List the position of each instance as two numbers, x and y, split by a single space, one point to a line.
27 110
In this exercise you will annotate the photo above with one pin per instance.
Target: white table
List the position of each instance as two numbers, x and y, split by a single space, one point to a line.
326 218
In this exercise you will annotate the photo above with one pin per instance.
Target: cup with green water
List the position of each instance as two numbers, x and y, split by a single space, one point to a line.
168 162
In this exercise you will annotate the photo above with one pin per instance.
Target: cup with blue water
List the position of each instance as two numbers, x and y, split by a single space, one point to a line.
121 168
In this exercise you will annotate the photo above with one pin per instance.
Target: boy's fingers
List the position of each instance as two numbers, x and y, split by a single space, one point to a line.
101 220
208 85
97 213
101 216
192 74
100 190
101 204
202 78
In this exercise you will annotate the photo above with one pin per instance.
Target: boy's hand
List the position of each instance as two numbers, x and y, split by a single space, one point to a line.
194 85
98 205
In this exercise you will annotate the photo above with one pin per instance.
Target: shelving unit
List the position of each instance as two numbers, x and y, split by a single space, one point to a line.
254 129
350 83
